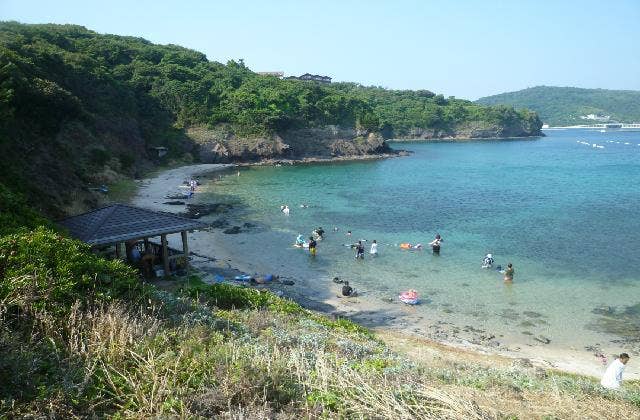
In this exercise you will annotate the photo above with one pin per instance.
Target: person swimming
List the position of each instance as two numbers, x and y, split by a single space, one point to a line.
299 240
487 261
319 233
347 290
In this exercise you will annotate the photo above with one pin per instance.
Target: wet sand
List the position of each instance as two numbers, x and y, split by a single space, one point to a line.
217 253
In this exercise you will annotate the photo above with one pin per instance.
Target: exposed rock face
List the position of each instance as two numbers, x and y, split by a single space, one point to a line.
473 130
221 144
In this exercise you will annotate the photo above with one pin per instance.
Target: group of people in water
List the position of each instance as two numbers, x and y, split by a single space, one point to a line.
487 262
359 247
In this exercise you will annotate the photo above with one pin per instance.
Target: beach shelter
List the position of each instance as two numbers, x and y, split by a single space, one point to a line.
118 224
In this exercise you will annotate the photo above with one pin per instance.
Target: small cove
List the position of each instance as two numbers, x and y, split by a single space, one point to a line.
566 214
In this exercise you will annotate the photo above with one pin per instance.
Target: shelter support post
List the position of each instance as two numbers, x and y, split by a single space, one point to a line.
118 250
165 255
185 249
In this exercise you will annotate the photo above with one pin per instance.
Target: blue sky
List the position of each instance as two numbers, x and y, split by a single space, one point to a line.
465 48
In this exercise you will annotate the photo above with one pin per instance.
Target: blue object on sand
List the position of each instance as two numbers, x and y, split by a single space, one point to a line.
268 277
243 277
218 278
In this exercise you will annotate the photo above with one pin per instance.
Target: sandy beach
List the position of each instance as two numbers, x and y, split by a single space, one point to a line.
214 252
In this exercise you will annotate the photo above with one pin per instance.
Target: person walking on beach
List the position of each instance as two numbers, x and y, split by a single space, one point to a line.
312 246
374 248
508 273
359 250
612 378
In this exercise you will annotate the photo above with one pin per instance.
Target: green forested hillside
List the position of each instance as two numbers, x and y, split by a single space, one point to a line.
80 109
559 106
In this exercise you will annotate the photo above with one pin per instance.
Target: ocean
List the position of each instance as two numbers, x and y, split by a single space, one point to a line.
565 213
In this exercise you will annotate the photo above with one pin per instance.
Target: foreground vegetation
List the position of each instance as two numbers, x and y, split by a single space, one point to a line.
81 336
80 109
559 106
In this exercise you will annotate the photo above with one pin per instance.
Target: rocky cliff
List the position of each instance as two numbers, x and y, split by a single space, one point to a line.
472 130
222 144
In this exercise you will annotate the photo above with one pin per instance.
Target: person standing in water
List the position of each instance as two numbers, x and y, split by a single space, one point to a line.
374 248
435 244
359 250
312 246
508 273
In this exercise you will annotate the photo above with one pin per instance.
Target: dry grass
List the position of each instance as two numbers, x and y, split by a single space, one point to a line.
182 359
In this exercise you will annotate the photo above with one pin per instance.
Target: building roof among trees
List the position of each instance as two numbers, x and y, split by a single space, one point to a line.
120 222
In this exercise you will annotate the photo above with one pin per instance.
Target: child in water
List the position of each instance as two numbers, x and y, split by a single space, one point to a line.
508 273
374 248
312 246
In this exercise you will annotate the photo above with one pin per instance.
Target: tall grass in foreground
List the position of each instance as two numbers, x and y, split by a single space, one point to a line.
176 356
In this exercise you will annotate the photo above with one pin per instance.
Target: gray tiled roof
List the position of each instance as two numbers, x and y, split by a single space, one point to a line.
120 222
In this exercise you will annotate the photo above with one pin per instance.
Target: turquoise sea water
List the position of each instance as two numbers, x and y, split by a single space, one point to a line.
566 214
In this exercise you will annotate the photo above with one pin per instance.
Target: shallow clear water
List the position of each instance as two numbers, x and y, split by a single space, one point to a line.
567 215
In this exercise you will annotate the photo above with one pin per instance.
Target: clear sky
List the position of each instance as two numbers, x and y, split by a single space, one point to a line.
465 48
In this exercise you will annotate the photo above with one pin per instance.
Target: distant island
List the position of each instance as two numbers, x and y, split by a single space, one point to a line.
563 106
82 109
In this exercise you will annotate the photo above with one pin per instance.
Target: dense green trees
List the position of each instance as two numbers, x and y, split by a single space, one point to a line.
564 105
76 70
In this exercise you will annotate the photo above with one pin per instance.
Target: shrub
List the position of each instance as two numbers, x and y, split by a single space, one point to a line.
49 271
16 214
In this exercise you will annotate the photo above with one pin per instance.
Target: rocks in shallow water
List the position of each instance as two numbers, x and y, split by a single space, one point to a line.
527 324
174 203
248 225
603 310
510 314
196 211
532 314
220 223
469 328
232 230
527 333
542 339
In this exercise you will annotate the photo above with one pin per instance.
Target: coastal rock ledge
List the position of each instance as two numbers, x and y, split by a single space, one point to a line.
222 145
473 130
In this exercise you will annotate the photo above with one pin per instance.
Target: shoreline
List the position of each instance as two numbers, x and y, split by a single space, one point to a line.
213 253
463 139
